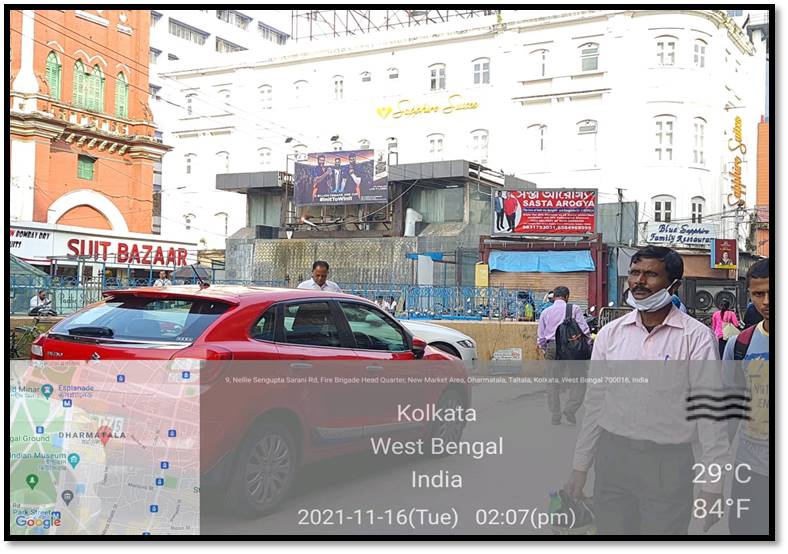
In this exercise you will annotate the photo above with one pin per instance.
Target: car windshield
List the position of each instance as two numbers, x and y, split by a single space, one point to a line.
149 319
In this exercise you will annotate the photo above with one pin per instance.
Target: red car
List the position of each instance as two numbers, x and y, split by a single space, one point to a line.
287 376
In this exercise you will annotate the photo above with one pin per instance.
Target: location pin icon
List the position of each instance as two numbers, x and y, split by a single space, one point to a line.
104 434
46 390
73 459
67 496
32 481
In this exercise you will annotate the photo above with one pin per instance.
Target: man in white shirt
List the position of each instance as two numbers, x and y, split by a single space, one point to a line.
40 303
163 280
319 280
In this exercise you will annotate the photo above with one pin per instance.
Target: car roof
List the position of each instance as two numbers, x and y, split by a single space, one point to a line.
232 294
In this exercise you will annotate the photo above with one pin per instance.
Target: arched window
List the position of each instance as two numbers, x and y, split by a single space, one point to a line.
699 54
264 156
190 159
589 56
366 77
438 76
537 135
698 151
363 144
121 96
663 208
479 142
339 87
190 103
481 71
79 96
538 62
586 143
393 73
225 95
698 204
54 71
666 51
663 144
299 87
95 93
336 146
266 96
223 162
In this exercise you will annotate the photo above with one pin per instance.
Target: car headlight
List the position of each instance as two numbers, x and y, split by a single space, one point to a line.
466 343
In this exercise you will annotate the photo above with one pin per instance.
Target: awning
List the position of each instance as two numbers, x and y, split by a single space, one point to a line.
564 261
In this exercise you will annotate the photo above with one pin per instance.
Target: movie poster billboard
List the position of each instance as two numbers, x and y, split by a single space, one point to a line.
723 253
341 177
553 212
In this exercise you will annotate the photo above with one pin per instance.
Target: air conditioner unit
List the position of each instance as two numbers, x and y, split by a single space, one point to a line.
705 296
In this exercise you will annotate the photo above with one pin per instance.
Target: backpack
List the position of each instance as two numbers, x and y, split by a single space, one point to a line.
570 342
743 340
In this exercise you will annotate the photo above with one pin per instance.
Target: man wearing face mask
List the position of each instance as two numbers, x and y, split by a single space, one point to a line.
638 436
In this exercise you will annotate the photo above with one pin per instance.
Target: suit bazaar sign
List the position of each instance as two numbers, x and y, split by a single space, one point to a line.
40 244
407 108
738 190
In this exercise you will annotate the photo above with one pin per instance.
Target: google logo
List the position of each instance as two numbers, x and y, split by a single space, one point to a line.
22 521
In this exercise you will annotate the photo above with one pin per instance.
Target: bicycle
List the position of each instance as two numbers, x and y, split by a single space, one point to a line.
21 338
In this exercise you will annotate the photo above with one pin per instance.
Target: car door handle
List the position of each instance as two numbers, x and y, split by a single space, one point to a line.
374 368
300 366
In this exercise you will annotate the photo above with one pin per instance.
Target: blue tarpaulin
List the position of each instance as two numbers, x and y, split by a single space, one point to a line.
436 256
562 261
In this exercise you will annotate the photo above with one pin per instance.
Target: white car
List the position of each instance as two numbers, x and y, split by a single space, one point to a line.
446 339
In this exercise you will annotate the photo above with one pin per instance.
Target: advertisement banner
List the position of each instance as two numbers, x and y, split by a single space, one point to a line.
341 177
545 212
723 253
681 234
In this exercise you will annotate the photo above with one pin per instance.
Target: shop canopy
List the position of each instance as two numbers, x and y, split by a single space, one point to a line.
541 262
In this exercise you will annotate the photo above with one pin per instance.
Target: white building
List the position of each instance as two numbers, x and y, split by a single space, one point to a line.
643 101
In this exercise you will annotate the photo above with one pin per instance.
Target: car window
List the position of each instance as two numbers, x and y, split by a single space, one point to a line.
150 319
310 324
265 326
372 329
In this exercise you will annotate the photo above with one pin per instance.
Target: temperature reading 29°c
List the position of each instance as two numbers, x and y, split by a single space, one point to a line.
712 473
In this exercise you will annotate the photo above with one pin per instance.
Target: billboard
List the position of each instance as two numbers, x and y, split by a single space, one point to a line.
341 177
723 253
545 212
681 234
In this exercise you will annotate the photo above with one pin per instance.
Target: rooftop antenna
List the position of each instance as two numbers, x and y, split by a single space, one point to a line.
203 284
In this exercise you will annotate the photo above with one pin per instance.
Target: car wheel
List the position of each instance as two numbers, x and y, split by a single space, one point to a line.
264 471
449 349
449 431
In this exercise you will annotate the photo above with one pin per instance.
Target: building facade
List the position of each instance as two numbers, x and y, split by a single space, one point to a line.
82 138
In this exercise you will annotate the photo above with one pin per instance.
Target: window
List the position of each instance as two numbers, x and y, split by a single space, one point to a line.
697 209
264 156
80 85
663 145
225 95
299 150
94 96
663 208
266 96
586 143
54 71
479 140
391 144
699 55
538 62
172 57
339 87
265 326
666 51
589 56
372 330
190 158
438 77
85 166
300 90
153 57
393 73
187 220
121 96
697 149
366 77
735 13
310 324
271 34
190 103
537 134
336 146
238 19
435 146
223 162
154 18
363 144
187 32
481 71
153 90
225 46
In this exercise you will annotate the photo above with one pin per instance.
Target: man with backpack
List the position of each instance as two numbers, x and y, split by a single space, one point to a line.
563 334
751 379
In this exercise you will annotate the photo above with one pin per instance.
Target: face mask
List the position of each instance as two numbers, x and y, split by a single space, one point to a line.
652 303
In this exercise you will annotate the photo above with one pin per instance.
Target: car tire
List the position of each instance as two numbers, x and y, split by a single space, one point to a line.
449 349
449 431
264 471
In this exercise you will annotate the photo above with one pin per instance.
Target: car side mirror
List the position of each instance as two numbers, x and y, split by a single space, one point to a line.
418 346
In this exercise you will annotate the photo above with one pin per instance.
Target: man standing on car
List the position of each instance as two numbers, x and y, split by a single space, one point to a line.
639 435
319 280
549 321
